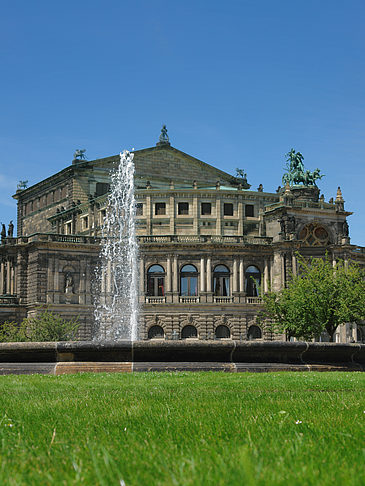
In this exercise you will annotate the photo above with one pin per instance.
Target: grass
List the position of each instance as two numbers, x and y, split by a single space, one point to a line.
183 429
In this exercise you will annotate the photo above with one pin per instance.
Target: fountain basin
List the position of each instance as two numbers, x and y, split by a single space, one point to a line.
126 356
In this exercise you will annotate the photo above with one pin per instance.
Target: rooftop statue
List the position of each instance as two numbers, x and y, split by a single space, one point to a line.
80 154
164 138
296 175
22 185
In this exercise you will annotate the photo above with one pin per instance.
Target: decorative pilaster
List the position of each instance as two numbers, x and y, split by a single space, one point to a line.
148 215
56 282
172 214
218 223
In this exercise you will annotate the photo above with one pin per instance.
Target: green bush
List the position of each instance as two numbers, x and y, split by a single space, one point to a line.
45 326
10 332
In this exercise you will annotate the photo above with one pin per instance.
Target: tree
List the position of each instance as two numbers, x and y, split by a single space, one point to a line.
44 326
319 298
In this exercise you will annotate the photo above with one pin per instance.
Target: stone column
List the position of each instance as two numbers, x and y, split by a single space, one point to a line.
266 276
282 262
141 280
235 275
13 278
175 275
209 274
168 274
294 264
2 276
202 275
8 277
242 276
346 261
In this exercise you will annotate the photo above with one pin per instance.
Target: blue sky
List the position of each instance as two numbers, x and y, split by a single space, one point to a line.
238 83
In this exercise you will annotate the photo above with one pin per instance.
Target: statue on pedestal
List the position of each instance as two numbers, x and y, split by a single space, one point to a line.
296 175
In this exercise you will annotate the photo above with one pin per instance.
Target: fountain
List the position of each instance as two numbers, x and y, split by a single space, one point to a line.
116 293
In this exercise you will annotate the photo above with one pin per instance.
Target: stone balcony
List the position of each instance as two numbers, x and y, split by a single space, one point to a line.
187 299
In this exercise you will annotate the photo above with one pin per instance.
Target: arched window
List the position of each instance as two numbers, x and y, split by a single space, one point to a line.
156 332
253 280
221 280
254 332
189 332
189 280
156 281
222 332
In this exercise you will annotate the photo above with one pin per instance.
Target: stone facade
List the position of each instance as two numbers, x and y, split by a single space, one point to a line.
208 243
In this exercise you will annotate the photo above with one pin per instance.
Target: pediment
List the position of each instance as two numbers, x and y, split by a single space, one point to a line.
165 163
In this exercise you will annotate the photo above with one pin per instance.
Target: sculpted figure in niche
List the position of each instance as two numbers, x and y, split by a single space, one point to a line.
69 284
345 228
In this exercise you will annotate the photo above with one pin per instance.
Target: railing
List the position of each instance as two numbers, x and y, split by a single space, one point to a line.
155 300
302 204
223 240
8 300
222 300
192 239
188 300
253 300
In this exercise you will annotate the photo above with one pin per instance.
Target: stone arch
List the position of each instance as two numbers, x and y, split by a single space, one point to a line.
156 332
189 331
254 332
222 332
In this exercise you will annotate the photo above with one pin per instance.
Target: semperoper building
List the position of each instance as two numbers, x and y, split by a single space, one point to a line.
209 244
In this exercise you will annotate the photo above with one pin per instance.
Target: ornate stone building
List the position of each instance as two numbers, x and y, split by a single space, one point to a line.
209 244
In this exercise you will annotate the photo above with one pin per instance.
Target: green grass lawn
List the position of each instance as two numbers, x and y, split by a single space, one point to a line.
183 429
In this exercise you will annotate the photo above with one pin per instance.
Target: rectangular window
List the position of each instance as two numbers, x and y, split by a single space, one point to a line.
228 209
85 222
183 208
160 209
206 208
249 210
139 209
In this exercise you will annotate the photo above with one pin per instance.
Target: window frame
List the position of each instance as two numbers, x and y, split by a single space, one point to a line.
192 281
155 282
